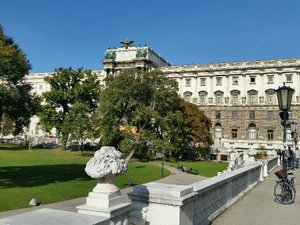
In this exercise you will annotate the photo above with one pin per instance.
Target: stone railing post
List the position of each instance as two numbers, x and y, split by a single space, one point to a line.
161 204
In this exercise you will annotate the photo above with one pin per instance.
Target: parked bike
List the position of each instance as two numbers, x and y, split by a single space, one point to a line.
284 190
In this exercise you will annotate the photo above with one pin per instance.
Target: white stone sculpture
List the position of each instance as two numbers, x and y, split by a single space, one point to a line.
106 199
104 166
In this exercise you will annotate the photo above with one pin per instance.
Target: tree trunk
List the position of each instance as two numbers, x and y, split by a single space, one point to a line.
65 138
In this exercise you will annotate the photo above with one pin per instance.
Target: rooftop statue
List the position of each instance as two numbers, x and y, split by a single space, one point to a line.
141 53
110 54
126 43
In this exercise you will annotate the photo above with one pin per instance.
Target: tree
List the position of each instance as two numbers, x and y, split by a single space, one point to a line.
139 110
73 97
17 103
198 129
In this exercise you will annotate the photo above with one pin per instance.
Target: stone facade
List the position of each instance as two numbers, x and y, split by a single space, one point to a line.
239 97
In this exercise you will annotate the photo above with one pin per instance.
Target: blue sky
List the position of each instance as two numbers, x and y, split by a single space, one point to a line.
63 33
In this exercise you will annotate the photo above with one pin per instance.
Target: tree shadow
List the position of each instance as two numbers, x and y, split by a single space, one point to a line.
30 176
11 148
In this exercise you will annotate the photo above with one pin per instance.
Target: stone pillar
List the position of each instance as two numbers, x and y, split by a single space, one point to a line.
107 202
161 204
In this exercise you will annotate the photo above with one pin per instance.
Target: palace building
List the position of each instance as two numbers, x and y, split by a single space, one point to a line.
238 97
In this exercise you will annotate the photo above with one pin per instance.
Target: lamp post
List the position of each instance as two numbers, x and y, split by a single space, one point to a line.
284 97
294 134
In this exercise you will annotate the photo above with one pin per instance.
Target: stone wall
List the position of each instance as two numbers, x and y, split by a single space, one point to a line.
198 203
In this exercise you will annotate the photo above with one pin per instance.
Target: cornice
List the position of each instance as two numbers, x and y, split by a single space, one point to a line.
246 65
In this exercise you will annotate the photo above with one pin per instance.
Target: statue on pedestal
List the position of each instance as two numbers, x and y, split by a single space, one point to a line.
106 199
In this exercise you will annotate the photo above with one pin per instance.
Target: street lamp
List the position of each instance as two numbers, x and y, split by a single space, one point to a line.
284 97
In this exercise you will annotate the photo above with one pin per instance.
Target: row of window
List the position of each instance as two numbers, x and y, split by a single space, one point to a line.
234 115
234 99
252 133
235 80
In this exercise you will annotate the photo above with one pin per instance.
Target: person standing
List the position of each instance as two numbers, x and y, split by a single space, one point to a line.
297 158
290 157
279 153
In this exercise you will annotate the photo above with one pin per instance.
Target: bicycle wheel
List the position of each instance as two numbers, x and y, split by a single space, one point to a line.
284 193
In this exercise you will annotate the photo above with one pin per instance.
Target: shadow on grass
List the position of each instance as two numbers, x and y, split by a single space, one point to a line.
30 176
142 166
11 148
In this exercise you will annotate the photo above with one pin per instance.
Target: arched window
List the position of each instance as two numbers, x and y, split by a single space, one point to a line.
187 96
253 96
252 132
235 95
270 96
202 97
219 97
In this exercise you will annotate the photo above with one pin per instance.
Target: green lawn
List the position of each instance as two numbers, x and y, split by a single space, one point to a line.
54 175
203 168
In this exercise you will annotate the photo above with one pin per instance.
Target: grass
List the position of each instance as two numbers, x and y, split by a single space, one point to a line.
203 168
54 175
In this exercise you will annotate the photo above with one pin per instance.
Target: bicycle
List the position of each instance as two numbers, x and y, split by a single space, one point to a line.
284 190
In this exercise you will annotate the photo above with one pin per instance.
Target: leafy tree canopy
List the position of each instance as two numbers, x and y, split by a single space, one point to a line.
17 103
70 103
141 111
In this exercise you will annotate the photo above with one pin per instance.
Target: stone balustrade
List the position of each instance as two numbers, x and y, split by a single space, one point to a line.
198 203
160 204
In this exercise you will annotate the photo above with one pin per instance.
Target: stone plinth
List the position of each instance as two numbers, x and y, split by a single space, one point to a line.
106 199
159 204
104 204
